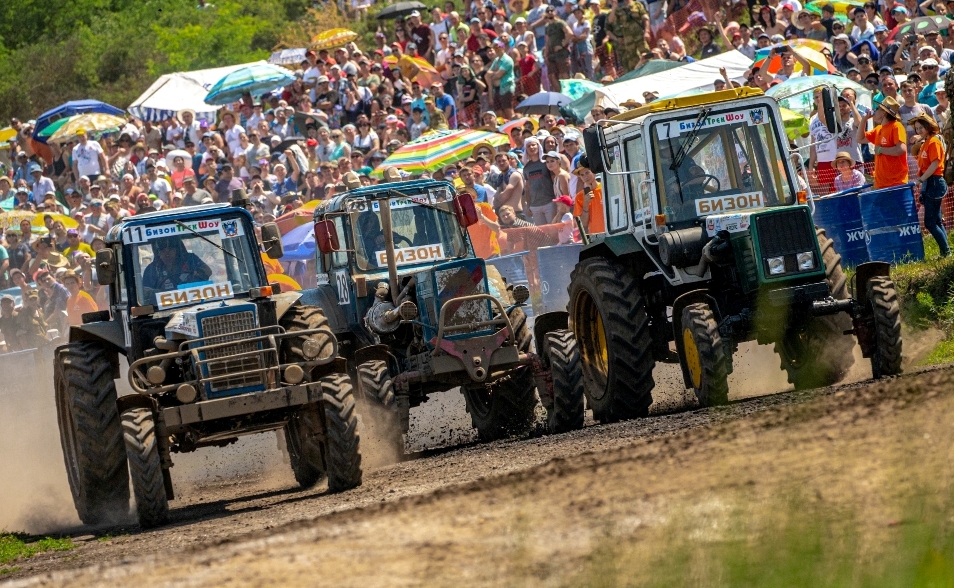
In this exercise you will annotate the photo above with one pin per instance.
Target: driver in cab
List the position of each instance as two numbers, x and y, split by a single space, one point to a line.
173 266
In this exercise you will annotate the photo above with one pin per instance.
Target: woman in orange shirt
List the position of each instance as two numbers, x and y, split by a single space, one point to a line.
890 144
79 302
931 178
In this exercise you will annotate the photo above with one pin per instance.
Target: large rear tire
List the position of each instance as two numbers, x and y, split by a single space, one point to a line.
145 467
383 422
822 354
506 407
609 320
886 360
705 355
90 433
566 370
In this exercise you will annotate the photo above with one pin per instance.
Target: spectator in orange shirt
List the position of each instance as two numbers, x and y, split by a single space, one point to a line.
890 143
79 301
481 235
589 201
931 178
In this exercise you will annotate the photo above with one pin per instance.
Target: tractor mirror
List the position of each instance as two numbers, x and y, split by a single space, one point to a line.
272 241
326 236
830 114
105 267
465 209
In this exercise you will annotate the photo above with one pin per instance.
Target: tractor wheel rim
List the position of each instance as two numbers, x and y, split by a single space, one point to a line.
602 350
693 362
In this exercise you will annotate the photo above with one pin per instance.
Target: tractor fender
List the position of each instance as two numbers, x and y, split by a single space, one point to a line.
372 352
547 323
863 274
678 305
284 301
124 403
611 247
111 333
324 298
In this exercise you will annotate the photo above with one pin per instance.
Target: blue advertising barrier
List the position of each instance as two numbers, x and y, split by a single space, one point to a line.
840 215
890 219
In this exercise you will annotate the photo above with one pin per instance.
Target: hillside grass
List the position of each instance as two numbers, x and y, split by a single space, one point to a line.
926 290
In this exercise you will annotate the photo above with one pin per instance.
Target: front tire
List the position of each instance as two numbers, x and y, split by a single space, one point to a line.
705 355
342 439
303 434
383 424
145 467
886 359
609 320
507 406
566 370
821 354
90 433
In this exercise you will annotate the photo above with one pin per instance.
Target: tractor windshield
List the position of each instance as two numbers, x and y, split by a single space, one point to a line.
422 234
181 263
722 162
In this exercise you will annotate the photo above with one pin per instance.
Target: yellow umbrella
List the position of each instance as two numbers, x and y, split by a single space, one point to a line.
333 38
68 222
91 122
7 134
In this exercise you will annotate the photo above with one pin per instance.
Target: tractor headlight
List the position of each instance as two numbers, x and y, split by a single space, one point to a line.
776 265
806 260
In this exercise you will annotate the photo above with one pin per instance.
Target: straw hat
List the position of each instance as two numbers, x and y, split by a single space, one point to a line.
928 122
183 111
891 106
844 155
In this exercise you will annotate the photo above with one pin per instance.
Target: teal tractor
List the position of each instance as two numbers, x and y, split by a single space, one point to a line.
214 351
417 312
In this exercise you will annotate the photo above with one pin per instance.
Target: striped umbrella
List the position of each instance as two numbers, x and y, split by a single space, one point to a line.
433 151
510 125
55 126
332 38
91 122
254 79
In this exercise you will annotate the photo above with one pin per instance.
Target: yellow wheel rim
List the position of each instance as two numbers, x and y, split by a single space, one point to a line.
601 347
693 363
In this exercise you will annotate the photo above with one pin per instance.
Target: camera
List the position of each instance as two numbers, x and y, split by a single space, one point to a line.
912 38
782 49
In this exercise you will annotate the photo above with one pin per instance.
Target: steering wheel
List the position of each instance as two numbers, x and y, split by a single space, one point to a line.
398 238
704 180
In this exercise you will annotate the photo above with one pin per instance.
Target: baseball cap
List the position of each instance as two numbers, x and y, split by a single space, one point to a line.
552 154
900 9
72 232
881 29
414 13
7 298
930 61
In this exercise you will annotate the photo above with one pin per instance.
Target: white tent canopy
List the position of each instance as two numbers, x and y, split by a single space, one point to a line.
699 74
177 91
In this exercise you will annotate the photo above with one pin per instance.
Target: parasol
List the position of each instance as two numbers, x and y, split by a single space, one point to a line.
254 79
332 38
819 63
543 103
91 122
433 151
399 9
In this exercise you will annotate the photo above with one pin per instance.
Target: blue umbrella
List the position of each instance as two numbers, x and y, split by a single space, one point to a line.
543 103
254 79
70 109
299 243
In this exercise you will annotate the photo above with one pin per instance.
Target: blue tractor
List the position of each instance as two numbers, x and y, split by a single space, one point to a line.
416 312
214 352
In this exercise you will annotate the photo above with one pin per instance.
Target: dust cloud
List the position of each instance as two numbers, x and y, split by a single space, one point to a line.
34 493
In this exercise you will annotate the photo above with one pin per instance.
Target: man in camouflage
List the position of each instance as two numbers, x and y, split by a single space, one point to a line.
627 27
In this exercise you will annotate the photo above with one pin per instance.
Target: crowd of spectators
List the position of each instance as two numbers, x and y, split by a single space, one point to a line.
350 108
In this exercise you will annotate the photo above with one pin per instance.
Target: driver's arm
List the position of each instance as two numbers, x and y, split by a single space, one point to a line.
199 268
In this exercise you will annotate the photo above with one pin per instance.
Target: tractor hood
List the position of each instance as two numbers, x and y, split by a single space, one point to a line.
196 321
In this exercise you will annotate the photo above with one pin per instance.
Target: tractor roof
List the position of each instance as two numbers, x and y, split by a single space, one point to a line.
693 101
181 214
336 204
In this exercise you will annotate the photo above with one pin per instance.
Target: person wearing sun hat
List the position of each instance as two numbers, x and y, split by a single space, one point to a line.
890 142
930 177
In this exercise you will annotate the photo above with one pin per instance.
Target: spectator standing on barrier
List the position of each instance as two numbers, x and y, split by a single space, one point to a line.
930 178
538 184
890 144
824 147
588 205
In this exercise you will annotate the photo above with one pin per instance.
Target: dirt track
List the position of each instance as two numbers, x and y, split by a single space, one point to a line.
240 512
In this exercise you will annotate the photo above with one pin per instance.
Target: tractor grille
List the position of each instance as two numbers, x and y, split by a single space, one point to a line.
222 361
785 233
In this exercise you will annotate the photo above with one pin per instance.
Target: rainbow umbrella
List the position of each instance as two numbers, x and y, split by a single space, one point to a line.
294 219
91 122
820 65
509 126
332 38
810 43
433 151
